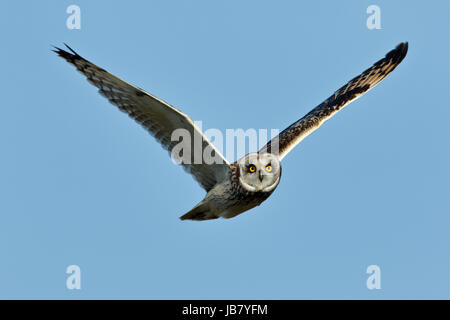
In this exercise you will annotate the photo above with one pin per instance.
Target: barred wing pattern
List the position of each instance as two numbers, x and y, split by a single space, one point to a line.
355 88
158 117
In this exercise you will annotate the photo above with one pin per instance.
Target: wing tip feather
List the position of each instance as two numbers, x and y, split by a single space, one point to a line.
399 53
70 57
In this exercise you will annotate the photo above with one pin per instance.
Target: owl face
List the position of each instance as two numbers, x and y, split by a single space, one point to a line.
259 172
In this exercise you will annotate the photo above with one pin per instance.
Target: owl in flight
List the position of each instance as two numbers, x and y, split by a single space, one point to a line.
232 188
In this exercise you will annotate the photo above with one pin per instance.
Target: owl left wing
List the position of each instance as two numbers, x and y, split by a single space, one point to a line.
158 117
296 132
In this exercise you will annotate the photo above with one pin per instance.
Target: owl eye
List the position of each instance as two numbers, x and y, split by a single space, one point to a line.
252 168
268 168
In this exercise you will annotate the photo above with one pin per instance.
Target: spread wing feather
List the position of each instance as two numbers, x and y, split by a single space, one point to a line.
292 135
158 117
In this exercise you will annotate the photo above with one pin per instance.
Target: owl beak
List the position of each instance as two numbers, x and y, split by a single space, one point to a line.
261 175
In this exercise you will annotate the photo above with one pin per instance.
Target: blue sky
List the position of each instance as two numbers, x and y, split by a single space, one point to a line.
81 184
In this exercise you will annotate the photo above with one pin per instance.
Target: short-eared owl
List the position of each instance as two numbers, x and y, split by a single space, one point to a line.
232 188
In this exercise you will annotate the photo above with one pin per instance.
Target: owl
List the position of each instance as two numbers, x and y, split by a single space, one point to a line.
231 188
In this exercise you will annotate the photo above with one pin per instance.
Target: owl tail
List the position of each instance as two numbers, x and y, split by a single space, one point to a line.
200 212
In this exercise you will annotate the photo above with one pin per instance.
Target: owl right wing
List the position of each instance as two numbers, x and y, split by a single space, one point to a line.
158 117
299 130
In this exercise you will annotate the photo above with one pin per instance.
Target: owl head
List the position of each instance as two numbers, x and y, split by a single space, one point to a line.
259 172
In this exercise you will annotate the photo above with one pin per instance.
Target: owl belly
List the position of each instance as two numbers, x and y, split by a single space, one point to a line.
244 205
227 201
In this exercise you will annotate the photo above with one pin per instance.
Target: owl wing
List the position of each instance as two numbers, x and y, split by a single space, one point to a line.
296 132
158 117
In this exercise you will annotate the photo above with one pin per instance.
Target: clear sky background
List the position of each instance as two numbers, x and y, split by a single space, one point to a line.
83 184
